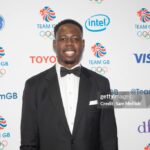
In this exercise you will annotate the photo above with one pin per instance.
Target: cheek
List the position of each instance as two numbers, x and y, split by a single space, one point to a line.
80 48
59 48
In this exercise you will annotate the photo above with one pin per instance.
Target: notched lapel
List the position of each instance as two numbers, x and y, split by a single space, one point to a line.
83 98
54 94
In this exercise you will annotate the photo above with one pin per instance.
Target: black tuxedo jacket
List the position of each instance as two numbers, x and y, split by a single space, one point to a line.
44 125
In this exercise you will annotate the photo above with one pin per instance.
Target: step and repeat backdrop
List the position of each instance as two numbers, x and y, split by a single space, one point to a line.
117 36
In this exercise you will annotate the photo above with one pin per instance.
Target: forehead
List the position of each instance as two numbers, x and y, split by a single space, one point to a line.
69 28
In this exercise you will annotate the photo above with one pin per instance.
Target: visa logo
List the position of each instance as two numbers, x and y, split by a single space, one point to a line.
142 58
97 23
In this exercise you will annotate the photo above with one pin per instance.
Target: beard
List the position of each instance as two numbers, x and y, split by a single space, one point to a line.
70 62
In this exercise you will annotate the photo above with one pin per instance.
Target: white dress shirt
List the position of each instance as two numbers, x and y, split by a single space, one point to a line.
69 88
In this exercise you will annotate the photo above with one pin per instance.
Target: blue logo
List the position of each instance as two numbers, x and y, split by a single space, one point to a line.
9 96
142 58
2 22
97 23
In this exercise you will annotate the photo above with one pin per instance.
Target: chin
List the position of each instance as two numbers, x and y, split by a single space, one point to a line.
70 62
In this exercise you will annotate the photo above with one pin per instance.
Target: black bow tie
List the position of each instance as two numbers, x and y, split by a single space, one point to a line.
76 71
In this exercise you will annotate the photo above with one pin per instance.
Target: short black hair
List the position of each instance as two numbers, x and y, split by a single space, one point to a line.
66 21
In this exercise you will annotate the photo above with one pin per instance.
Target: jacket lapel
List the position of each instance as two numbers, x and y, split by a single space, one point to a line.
83 98
55 96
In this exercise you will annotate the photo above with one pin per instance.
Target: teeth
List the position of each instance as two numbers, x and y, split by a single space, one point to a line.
70 53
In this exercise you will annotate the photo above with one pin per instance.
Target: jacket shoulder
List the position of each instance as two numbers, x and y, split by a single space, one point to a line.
40 76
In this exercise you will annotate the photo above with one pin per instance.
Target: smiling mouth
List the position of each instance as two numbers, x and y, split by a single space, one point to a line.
69 53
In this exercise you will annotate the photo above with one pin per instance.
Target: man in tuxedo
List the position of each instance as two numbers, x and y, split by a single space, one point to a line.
59 110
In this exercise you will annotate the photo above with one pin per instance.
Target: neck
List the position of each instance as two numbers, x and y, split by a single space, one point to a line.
69 66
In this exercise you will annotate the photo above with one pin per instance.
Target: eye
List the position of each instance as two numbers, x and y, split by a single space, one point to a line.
62 38
76 38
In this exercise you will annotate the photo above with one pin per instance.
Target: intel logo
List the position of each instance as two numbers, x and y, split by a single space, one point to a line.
97 23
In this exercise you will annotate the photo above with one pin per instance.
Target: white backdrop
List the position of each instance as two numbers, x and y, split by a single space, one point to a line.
26 39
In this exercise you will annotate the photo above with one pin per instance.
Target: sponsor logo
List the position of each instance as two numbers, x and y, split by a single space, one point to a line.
46 29
2 52
99 64
3 63
46 34
45 26
3 144
144 127
2 22
143 28
97 1
97 23
144 34
47 14
3 123
98 50
42 59
8 96
144 15
100 69
3 133
147 147
142 58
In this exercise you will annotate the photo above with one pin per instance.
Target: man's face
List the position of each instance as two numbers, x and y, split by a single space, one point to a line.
68 45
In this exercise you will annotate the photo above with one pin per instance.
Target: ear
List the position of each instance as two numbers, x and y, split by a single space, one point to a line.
83 43
54 45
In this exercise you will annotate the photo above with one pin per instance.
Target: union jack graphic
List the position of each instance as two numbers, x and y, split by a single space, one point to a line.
144 15
98 50
48 14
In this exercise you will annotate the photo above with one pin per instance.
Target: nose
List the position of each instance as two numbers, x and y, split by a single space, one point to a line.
69 41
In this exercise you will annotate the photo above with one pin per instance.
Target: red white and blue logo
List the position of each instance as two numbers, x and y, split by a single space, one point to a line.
144 26
3 123
2 22
98 50
48 14
3 134
147 147
3 64
144 15
46 27
2 52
